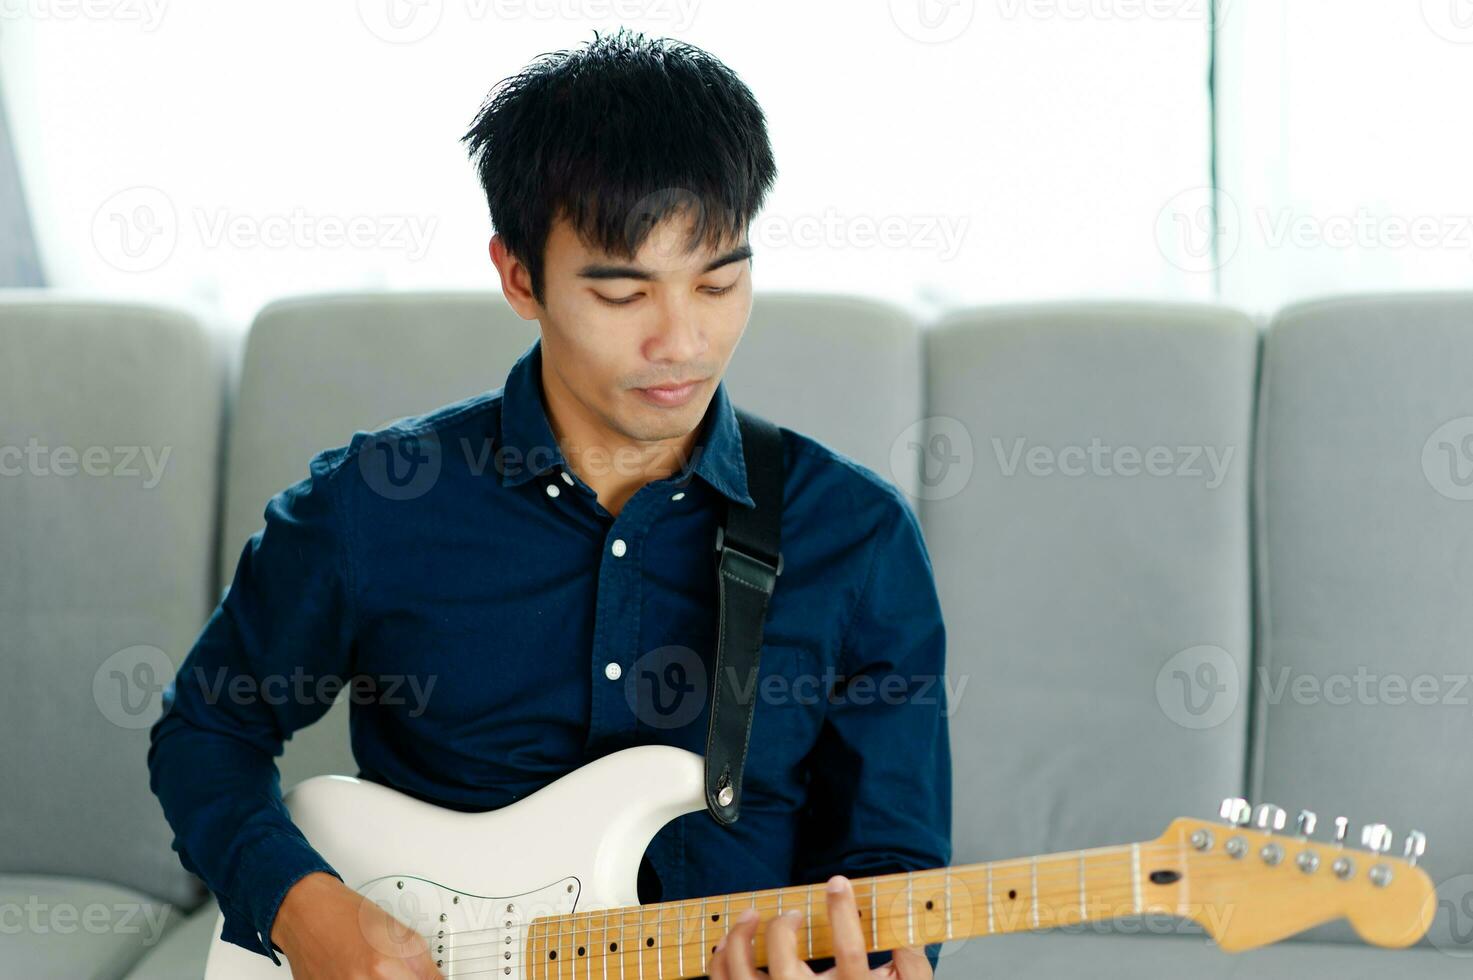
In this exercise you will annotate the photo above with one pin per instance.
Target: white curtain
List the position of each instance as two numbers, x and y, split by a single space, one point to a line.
1345 148
932 154
19 265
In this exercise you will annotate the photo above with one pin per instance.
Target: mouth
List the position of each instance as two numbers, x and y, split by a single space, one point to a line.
670 396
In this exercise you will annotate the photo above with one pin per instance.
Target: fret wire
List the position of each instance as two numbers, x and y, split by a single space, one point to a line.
1083 901
874 904
639 943
910 909
1033 879
991 928
949 925
809 917
1135 853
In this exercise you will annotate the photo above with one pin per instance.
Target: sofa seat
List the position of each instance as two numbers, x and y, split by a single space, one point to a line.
1130 957
60 928
183 951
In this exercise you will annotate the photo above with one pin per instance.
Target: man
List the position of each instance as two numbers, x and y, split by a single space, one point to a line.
522 596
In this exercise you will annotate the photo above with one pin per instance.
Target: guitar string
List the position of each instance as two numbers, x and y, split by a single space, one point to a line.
613 928
664 951
648 918
1049 869
681 926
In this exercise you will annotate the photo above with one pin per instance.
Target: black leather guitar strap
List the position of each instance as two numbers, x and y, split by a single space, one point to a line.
748 562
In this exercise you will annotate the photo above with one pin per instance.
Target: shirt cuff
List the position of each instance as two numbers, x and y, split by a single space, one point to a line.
268 869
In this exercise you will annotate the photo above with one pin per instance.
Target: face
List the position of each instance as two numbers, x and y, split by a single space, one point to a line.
612 327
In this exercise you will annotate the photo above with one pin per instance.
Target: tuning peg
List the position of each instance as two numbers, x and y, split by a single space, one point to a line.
1416 846
1376 837
1235 810
1269 817
1306 822
1342 827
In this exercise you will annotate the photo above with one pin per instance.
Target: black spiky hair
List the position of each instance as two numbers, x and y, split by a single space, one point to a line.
616 137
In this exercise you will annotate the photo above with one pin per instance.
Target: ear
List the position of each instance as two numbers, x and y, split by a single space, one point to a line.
516 280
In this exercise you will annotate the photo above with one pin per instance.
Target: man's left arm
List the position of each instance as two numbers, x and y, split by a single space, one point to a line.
879 796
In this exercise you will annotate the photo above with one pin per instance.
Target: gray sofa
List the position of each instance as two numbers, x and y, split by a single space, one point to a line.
1182 556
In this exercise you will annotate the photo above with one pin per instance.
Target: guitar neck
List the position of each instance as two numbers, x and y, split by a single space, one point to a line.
670 940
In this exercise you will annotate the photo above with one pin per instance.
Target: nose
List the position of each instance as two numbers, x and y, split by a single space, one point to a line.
677 337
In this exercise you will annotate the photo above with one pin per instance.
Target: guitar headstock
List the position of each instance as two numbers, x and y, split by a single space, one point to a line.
1248 883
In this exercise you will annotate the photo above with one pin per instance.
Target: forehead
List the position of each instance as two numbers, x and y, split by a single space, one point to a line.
665 249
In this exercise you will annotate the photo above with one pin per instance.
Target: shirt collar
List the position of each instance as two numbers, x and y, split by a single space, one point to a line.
531 448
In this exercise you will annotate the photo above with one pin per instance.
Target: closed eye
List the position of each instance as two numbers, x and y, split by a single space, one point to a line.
626 300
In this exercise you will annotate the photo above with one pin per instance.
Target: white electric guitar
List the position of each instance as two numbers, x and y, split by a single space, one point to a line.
544 889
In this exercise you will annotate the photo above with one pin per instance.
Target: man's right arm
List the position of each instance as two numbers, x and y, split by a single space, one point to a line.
255 675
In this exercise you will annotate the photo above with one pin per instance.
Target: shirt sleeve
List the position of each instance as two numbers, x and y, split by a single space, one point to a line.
880 774
270 660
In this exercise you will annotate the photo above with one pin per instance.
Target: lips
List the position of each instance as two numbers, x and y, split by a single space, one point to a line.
670 395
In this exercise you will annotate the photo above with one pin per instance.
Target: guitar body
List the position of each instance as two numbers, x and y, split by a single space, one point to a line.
471 883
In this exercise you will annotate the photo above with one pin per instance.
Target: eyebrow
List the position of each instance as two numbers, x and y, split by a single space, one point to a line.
600 271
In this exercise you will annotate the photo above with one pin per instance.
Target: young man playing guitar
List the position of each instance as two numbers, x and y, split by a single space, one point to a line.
561 594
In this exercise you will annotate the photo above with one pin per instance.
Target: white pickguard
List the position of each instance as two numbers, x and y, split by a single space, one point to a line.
471 883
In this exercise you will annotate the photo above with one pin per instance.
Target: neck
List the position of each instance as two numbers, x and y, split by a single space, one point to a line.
614 465
670 940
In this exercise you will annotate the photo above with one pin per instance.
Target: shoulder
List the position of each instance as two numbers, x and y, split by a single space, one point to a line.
843 487
393 457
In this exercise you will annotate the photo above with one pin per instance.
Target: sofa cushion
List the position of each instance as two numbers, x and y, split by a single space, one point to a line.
1087 515
1365 567
183 951
56 928
107 519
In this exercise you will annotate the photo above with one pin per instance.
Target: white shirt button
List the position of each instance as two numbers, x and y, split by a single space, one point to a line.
613 672
552 490
619 548
679 496
567 478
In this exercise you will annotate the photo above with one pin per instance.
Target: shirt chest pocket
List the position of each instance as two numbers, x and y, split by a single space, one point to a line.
791 695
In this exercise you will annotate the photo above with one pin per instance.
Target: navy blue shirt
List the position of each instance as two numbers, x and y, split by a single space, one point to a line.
494 627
